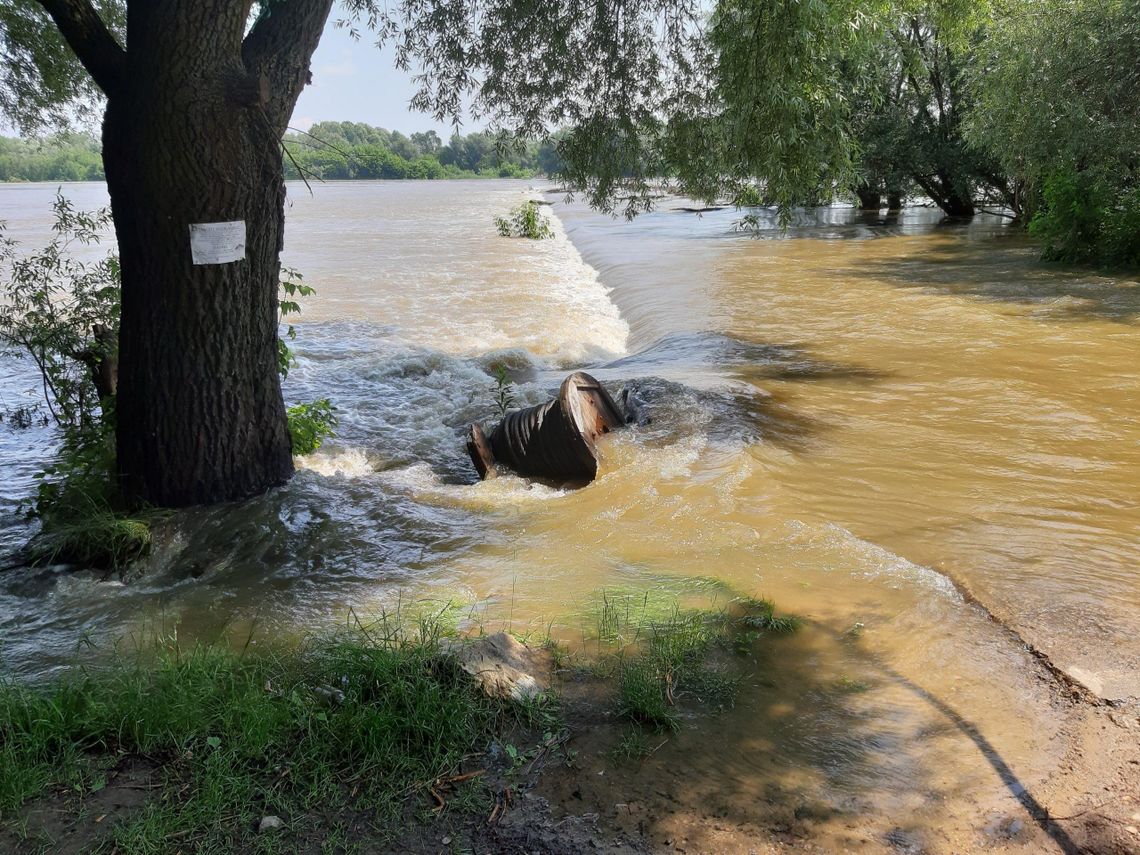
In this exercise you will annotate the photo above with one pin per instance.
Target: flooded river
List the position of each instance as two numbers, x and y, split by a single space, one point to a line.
914 435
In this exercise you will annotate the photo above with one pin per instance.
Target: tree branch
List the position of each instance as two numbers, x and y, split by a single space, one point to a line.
279 48
87 35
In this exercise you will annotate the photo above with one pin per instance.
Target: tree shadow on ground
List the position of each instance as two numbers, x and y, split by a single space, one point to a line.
743 408
999 273
722 353
804 759
952 718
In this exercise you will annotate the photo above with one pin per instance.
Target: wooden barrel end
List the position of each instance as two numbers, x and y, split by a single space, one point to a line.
480 451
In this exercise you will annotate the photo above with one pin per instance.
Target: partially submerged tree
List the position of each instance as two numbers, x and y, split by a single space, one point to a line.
198 94
1058 91
197 100
931 44
910 108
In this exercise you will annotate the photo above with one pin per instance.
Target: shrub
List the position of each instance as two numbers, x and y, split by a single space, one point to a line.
1084 220
64 315
748 196
525 221
310 424
83 520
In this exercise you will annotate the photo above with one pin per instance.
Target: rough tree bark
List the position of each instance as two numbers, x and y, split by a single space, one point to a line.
947 193
196 109
870 199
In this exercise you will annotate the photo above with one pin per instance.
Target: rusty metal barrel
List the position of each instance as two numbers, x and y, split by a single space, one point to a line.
555 440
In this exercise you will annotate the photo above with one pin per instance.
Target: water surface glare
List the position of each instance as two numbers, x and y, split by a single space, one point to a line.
869 420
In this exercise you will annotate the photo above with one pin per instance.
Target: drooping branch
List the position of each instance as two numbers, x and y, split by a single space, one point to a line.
87 34
279 48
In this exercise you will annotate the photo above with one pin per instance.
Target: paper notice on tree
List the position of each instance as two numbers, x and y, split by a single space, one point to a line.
217 243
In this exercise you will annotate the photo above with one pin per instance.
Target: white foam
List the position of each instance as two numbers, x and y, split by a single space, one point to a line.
424 485
602 331
349 463
429 263
873 561
536 295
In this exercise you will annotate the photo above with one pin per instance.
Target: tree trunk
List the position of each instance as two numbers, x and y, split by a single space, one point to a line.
943 191
894 200
956 204
191 135
869 199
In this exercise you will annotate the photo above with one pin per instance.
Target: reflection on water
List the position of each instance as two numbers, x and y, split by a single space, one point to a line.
843 418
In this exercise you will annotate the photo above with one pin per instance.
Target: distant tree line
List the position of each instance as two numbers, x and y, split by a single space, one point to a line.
62 157
340 150
329 150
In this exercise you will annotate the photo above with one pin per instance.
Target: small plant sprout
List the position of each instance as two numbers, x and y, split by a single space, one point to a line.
504 390
293 285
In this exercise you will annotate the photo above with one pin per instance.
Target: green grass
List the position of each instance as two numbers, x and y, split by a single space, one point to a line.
761 615
670 663
561 659
661 653
368 719
95 537
356 724
634 745
83 519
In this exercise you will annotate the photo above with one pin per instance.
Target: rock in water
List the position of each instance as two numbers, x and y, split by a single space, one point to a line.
503 667
635 412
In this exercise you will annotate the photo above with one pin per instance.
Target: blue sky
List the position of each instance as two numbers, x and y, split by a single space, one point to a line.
354 81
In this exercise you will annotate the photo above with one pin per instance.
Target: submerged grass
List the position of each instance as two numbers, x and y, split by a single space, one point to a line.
98 538
363 719
634 745
661 653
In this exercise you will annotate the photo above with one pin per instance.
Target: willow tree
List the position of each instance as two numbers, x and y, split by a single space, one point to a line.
1058 91
196 94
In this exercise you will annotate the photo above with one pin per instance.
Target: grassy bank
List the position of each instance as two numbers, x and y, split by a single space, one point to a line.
363 722
363 736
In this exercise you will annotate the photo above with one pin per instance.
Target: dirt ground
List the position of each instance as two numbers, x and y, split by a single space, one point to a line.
1090 803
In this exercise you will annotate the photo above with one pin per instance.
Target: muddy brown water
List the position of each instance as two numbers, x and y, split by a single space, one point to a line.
914 435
